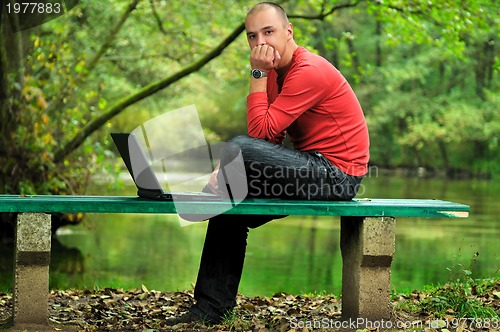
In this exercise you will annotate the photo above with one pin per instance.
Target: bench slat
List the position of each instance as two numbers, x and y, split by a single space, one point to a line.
132 204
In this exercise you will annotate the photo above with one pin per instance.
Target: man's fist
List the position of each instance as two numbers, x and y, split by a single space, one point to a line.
264 57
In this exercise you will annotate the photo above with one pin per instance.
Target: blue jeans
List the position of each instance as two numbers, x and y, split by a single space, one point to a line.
272 171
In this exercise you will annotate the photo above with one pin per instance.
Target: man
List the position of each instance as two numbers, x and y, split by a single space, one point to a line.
296 93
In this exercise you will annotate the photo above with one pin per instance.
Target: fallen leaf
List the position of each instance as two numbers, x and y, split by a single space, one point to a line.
144 289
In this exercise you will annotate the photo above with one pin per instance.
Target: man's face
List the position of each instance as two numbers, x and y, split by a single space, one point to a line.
266 27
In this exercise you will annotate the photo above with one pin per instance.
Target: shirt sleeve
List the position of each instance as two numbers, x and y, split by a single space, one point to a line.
303 88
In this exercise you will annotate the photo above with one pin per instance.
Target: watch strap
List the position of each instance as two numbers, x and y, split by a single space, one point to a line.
257 73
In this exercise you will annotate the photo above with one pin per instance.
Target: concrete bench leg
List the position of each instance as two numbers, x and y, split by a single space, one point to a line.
367 246
31 279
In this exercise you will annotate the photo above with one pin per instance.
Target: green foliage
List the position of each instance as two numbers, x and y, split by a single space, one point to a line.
64 90
461 297
42 129
431 110
462 300
437 132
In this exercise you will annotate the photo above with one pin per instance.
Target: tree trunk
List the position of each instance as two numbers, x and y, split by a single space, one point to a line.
485 55
352 51
378 48
13 48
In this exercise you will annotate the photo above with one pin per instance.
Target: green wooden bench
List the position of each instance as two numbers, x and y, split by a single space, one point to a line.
367 240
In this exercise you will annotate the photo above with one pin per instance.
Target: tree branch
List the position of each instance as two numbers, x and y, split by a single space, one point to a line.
405 12
90 65
112 36
157 17
147 91
152 88
165 55
322 15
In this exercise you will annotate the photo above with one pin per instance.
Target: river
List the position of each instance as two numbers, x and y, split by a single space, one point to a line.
293 255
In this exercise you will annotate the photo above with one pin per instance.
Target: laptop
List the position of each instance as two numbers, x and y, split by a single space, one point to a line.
144 176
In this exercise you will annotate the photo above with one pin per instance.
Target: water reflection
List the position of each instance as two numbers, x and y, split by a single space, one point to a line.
65 260
6 265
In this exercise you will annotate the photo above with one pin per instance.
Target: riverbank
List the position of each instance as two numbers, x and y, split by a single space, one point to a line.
464 306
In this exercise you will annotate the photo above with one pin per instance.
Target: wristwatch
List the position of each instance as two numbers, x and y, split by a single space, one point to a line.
257 73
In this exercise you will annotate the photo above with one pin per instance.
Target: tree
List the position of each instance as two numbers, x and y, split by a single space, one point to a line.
435 107
57 100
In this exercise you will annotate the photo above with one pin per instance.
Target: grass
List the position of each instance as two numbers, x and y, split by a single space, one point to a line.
462 295
463 302
236 322
462 299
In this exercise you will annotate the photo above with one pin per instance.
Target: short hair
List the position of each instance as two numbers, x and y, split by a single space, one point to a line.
275 6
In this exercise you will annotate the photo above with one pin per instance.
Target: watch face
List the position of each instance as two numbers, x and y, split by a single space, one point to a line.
256 73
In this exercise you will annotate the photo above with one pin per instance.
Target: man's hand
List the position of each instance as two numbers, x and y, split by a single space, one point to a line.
264 57
213 184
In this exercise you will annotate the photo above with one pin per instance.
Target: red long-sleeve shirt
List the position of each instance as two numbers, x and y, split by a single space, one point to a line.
317 109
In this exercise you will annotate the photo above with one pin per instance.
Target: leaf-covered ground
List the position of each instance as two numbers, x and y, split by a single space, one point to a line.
145 310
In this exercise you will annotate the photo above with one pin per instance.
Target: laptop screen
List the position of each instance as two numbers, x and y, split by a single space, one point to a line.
136 162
